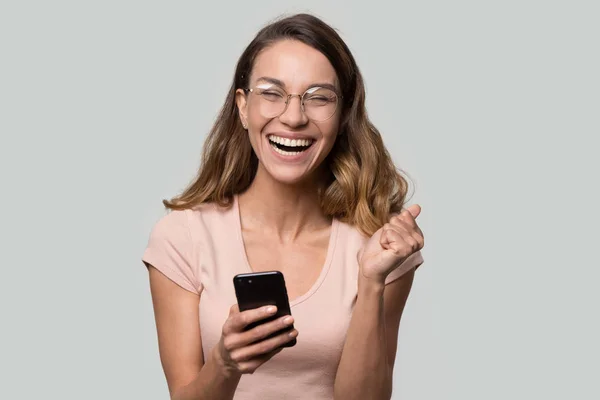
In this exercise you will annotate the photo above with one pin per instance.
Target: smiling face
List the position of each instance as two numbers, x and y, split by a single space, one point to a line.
290 146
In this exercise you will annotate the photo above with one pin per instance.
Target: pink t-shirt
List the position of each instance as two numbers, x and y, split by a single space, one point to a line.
202 249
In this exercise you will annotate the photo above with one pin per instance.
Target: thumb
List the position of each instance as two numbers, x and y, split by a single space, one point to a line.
414 209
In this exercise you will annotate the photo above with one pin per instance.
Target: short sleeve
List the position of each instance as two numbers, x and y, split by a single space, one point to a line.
171 251
412 262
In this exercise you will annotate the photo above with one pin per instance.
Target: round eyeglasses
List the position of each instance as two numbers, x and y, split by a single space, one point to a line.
317 103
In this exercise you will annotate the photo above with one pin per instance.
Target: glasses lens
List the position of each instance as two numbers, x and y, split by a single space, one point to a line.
320 103
271 100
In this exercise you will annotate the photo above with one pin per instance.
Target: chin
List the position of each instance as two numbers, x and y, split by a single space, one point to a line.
290 177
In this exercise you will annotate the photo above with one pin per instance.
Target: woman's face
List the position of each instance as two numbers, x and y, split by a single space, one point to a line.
291 146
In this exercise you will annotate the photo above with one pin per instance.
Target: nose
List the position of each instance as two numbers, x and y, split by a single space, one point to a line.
293 115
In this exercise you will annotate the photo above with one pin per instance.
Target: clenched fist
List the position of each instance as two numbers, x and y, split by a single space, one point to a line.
391 245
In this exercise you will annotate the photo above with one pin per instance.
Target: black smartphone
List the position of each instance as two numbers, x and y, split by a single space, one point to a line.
258 289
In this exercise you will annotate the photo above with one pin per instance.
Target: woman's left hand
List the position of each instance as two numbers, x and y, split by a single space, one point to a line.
391 245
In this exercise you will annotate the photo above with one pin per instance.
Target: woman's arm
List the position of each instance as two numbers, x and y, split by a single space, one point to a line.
188 375
366 366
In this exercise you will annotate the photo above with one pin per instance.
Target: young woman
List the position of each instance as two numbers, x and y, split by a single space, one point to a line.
294 178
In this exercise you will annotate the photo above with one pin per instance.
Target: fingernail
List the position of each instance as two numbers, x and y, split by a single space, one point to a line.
293 334
288 320
271 309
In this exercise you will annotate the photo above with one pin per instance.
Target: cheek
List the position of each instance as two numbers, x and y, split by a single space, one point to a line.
256 124
255 119
330 132
330 135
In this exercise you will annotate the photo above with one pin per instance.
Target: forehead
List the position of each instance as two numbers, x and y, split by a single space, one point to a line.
294 63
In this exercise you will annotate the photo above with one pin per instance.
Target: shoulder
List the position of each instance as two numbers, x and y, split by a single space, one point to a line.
181 239
352 235
172 227
192 220
173 220
209 214
188 229
350 240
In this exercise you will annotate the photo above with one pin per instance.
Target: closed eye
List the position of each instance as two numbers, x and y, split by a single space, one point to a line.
318 100
271 95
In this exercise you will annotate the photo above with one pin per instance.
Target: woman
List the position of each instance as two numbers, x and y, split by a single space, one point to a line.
294 178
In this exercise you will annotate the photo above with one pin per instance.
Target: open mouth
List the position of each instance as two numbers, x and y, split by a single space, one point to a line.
289 147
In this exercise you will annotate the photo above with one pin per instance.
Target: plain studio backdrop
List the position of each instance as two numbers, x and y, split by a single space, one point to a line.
491 107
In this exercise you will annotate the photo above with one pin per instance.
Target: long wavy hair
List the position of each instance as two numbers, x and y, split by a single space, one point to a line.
364 186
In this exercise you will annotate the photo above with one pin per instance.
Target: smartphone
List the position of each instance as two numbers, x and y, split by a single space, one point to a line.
258 289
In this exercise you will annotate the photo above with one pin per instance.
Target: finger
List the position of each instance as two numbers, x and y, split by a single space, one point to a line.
385 238
419 239
398 223
234 309
237 322
238 340
393 227
249 367
402 227
390 234
406 217
414 210
246 353
413 235
264 330
406 220
401 243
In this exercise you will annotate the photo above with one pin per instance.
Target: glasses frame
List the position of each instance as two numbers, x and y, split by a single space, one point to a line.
301 97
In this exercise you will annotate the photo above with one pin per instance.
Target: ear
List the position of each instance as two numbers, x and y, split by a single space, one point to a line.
242 103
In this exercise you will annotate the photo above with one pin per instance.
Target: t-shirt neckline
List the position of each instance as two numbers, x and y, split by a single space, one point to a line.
324 270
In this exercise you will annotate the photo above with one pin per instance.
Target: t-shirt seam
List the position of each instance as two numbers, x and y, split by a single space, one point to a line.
151 258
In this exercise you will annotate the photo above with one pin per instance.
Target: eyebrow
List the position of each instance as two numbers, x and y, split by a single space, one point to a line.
280 83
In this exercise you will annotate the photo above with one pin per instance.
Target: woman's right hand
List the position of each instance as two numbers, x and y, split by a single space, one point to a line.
242 352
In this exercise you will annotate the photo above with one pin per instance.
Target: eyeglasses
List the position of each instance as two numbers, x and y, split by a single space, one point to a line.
317 103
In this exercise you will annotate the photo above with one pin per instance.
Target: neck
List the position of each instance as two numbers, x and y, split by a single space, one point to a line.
281 210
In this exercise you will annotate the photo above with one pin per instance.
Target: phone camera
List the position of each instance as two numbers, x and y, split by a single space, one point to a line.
249 280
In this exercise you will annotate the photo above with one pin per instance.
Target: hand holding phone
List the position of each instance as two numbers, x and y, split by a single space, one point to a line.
258 289
244 346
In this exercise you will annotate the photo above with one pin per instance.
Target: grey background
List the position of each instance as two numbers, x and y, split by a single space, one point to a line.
491 107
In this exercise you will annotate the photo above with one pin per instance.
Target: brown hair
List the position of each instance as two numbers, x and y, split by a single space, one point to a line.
364 186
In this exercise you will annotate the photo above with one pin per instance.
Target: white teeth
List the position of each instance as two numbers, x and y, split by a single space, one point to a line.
290 142
286 153
283 152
